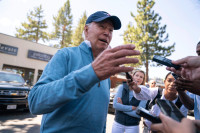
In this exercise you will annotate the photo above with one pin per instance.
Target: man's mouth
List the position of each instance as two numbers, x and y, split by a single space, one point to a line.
105 41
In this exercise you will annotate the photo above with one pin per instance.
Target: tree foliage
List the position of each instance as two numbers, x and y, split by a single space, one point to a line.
33 30
77 36
147 34
63 26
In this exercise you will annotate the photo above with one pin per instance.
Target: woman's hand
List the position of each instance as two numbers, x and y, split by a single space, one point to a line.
134 108
133 86
119 100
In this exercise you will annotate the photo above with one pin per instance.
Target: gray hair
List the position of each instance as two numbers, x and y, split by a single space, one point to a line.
83 34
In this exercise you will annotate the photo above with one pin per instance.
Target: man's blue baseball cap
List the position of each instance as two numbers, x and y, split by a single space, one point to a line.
101 15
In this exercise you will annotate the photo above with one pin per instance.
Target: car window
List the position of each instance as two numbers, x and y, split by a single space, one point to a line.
7 77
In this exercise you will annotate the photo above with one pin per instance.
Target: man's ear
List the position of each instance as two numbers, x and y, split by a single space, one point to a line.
85 30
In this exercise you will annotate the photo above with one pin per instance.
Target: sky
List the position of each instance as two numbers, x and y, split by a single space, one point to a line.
182 18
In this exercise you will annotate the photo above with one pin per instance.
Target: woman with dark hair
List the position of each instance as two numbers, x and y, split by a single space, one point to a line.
126 119
169 93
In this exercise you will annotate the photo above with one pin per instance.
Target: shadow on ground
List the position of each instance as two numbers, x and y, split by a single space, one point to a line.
18 122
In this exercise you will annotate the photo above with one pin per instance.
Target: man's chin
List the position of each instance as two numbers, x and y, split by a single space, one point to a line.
104 47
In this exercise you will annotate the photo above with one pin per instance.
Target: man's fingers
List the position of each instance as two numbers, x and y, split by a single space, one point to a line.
125 52
180 61
183 83
183 74
172 69
197 124
164 117
127 46
189 61
124 60
156 127
122 69
110 60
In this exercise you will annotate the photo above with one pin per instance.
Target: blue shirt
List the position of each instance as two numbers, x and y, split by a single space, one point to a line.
196 106
69 95
127 109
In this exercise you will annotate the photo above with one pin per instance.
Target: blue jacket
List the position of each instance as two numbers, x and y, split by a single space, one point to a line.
69 95
120 116
196 105
127 109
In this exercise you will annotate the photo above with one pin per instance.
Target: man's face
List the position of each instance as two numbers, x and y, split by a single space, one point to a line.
198 49
152 84
99 34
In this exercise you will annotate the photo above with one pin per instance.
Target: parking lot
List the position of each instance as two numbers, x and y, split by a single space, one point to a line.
24 122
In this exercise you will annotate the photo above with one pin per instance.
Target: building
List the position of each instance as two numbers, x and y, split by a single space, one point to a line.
24 57
29 59
117 79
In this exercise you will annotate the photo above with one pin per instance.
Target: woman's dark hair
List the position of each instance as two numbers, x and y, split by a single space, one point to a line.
167 75
143 82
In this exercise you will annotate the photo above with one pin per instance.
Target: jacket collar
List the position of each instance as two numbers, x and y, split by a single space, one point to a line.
85 47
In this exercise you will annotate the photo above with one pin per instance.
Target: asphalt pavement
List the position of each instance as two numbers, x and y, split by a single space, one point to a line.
24 122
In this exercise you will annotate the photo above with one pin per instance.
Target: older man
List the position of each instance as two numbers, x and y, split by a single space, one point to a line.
73 91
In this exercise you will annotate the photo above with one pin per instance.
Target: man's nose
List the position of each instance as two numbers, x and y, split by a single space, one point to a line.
107 32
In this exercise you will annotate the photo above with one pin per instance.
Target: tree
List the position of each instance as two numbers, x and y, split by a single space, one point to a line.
33 30
77 36
63 26
147 34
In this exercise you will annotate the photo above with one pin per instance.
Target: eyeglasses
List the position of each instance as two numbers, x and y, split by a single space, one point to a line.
153 83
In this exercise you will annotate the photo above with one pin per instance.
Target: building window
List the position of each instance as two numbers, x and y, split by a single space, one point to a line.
39 74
